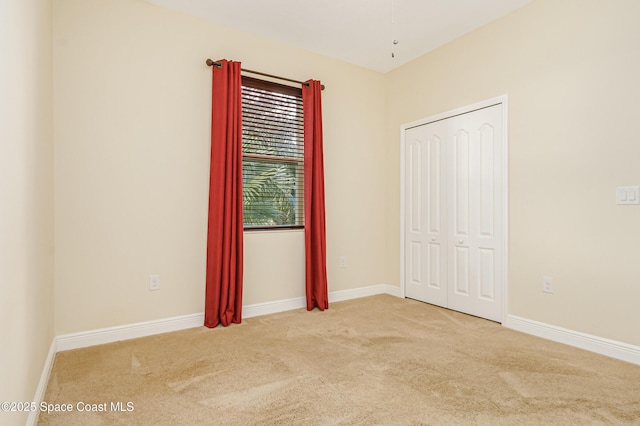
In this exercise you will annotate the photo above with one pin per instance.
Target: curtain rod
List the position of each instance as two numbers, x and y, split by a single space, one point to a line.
218 64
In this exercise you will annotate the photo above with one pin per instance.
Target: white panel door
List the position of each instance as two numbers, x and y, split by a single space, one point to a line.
453 205
475 240
426 222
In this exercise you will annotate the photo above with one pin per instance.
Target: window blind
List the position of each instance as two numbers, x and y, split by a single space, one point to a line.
273 155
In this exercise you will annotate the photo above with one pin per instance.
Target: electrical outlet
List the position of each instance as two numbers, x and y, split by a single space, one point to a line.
547 284
154 282
343 262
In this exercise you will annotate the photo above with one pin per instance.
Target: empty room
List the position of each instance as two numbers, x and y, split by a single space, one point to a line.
447 230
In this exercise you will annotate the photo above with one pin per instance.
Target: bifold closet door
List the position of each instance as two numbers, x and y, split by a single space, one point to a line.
454 213
425 210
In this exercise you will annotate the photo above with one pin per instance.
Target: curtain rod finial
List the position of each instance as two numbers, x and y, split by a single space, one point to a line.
209 62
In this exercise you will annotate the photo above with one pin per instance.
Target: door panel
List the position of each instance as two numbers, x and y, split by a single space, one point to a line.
477 160
414 237
435 274
460 176
434 192
427 224
487 180
414 267
461 268
486 274
415 188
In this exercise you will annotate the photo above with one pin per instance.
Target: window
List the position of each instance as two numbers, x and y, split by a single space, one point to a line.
272 155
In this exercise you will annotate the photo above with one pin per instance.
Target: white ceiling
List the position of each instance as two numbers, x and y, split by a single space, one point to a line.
357 31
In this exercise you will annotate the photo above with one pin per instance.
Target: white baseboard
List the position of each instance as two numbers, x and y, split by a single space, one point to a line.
132 331
259 309
38 397
356 293
129 331
600 345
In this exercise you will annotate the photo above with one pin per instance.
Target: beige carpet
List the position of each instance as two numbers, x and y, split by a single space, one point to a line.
376 360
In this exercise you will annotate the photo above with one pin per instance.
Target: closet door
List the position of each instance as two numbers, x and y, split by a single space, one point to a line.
474 212
454 238
425 207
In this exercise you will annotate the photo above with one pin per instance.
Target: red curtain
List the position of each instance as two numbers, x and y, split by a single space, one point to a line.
223 298
314 211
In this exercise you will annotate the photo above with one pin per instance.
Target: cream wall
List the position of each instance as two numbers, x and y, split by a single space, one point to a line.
132 127
571 70
26 199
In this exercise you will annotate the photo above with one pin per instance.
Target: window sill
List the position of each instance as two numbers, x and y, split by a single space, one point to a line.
274 229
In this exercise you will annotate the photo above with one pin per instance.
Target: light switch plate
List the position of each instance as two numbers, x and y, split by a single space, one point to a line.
628 195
